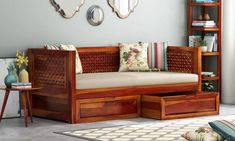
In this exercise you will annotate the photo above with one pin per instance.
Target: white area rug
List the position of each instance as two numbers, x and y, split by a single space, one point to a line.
170 130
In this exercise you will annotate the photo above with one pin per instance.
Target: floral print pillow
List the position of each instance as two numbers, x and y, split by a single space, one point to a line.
202 134
133 57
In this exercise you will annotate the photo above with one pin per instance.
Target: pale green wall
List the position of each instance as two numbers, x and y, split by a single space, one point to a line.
32 23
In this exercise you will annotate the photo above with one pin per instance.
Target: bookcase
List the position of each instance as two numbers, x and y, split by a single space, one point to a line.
199 14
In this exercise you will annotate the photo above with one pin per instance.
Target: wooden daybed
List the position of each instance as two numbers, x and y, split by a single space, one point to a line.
54 70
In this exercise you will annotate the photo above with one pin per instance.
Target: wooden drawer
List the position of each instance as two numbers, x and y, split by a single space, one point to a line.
107 108
170 107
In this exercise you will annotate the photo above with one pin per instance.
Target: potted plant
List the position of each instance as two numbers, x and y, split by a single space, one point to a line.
203 46
208 86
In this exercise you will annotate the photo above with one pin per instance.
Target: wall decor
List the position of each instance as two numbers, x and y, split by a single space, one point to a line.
13 104
95 15
66 8
123 8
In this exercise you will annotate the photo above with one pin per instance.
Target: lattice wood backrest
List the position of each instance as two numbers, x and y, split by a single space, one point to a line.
183 59
99 59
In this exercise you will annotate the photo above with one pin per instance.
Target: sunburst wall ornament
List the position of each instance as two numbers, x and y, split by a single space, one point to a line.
67 8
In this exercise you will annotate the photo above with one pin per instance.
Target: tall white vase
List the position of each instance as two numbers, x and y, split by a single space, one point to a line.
228 52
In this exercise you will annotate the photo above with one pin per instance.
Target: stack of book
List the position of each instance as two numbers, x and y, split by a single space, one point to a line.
204 23
204 1
21 85
208 74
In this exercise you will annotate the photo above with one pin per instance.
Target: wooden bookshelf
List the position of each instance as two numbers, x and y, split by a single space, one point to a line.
206 56
205 4
205 28
210 78
210 53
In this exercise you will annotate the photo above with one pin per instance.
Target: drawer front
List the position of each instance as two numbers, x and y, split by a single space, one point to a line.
108 106
170 107
190 106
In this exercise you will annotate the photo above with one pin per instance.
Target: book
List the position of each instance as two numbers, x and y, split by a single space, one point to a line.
215 49
29 86
207 73
204 1
21 84
201 21
204 23
194 41
210 40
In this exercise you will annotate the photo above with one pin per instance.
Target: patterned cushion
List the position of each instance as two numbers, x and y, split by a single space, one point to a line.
78 61
202 134
157 55
133 57
224 128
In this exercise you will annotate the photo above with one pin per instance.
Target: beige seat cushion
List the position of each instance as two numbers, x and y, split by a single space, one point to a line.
122 79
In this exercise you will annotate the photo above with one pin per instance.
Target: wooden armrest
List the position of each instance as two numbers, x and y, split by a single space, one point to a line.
54 71
51 69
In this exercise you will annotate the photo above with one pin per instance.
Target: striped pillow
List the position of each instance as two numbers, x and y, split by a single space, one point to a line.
157 55
52 47
77 58
68 48
224 128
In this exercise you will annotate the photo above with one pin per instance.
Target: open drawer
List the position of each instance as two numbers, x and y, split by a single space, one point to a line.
179 106
88 110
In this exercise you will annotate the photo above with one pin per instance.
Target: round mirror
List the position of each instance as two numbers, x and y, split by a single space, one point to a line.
95 15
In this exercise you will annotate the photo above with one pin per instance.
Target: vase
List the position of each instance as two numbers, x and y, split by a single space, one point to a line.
23 76
204 48
200 18
10 78
207 17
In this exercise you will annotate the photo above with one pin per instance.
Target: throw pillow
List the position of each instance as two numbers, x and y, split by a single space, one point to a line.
202 134
224 128
157 55
133 57
78 61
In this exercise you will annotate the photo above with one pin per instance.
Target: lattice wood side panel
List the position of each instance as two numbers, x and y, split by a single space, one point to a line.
180 61
93 62
50 71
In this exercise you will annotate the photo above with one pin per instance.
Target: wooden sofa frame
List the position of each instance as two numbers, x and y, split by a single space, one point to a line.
54 70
